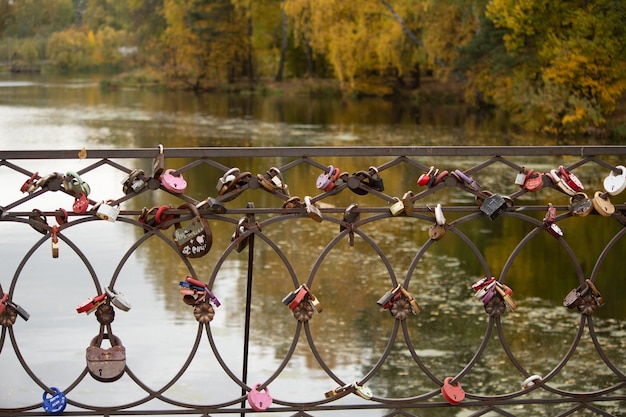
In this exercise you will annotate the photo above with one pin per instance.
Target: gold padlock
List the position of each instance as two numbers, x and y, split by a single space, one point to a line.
397 207
507 299
312 210
407 202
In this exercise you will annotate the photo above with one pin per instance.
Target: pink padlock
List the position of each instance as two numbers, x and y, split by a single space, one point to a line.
259 400
173 183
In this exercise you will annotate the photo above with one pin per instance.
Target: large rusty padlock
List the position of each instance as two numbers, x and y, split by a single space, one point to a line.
195 239
106 365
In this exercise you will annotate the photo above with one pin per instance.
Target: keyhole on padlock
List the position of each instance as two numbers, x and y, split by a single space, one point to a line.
100 371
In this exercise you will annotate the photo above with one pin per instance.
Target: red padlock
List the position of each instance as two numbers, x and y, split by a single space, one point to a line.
302 291
3 302
534 181
259 400
81 204
425 177
453 394
91 303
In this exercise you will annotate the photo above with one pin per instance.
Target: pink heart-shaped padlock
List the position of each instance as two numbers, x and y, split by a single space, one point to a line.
173 183
259 400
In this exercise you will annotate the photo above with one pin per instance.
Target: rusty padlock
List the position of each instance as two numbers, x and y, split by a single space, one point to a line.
195 239
106 365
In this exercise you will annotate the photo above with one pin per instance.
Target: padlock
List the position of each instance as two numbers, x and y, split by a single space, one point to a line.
312 210
75 185
108 212
355 180
259 400
580 205
327 179
54 238
506 297
397 207
440 219
554 229
172 182
615 184
135 182
106 365
415 308
555 176
423 179
486 293
294 298
482 283
466 180
441 177
55 403
493 206
520 178
81 204
550 216
118 299
571 179
3 302
19 310
533 181
205 288
350 215
376 182
531 381
227 178
242 225
363 391
602 204
38 220
61 216
407 202
432 179
436 231
52 182
453 394
272 181
212 204
293 203
91 304
390 296
575 297
30 185
196 238
234 185
594 291
158 165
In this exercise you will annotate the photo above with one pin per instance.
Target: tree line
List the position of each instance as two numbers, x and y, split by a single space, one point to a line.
556 66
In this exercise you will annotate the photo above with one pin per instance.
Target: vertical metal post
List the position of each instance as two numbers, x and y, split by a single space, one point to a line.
246 334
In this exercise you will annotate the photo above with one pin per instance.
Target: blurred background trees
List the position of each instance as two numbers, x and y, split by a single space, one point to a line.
557 66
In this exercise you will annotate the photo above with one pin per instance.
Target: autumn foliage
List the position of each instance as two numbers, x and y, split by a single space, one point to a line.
556 66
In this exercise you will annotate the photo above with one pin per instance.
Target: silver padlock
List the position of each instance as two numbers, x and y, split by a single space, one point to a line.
108 212
228 176
312 210
118 299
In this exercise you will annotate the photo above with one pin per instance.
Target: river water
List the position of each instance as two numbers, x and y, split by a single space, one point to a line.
55 112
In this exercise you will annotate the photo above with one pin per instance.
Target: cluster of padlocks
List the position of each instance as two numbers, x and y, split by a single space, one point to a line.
194 240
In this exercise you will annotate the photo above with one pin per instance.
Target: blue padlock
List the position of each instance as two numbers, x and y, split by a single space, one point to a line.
56 403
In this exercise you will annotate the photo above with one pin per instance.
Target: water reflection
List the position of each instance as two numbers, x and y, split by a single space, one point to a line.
352 333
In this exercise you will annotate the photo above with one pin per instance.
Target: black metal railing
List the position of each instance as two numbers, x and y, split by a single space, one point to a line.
443 189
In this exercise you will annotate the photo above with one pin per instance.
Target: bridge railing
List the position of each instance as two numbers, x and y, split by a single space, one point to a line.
217 208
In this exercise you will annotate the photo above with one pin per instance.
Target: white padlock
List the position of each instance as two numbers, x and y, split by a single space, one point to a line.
615 184
108 212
